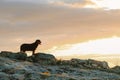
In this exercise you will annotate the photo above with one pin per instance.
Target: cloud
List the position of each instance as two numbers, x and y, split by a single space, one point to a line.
107 4
72 3
100 46
26 1
22 22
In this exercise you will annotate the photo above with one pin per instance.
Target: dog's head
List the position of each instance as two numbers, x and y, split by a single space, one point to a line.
38 41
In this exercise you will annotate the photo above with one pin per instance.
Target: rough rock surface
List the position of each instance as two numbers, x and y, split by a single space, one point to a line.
18 56
91 64
42 58
14 68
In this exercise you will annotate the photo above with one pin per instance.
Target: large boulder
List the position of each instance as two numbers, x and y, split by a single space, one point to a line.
42 58
93 64
18 56
98 64
115 69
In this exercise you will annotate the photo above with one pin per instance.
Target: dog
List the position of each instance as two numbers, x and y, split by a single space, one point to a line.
30 47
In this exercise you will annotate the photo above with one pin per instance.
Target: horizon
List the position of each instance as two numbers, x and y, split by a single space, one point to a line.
65 27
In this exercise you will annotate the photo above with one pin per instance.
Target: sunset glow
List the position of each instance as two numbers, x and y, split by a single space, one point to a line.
65 27
107 4
99 46
94 4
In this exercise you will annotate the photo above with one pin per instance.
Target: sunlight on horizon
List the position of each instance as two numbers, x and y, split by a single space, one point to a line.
94 4
100 46
107 4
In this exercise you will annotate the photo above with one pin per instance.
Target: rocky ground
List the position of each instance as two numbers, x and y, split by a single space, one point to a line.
17 66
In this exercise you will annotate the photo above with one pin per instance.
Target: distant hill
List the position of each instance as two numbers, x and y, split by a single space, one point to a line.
112 59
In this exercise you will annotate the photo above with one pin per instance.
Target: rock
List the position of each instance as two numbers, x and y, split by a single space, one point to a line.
14 69
97 64
115 69
93 64
32 76
21 56
63 62
78 63
18 56
4 76
43 58
16 77
5 53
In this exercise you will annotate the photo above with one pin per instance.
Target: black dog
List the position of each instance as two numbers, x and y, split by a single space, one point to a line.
30 47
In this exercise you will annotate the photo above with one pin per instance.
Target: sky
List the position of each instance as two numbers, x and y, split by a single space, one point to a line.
58 23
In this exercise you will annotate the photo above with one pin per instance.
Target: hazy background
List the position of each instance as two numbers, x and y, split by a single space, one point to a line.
55 22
